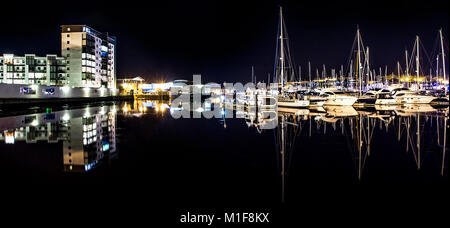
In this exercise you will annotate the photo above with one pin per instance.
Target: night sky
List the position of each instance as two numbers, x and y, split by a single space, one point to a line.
222 39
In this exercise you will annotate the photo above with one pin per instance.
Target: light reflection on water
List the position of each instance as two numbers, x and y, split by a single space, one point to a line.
88 134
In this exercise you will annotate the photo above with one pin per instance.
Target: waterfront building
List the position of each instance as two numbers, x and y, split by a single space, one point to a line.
30 69
91 56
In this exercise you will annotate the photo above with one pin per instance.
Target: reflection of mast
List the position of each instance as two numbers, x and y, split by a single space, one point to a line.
282 153
444 147
287 132
418 141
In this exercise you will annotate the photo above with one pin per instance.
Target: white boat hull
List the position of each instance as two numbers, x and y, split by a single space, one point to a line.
414 99
341 101
294 104
386 102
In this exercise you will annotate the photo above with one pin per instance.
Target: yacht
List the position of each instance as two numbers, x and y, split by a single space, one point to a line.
294 102
315 100
406 96
338 98
376 97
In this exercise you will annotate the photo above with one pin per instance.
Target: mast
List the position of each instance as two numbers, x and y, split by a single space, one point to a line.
368 68
407 67
359 61
398 71
253 75
309 70
300 74
437 68
282 47
351 72
443 56
417 63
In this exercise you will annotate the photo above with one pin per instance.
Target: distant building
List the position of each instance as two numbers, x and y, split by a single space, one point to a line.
50 70
91 56
130 86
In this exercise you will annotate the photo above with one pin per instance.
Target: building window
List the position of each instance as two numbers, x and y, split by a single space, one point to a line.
68 29
68 35
68 48
68 55
68 42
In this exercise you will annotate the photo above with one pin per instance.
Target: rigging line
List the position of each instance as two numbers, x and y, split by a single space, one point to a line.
411 59
351 55
426 54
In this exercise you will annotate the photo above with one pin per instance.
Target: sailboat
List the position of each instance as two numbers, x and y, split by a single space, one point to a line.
288 96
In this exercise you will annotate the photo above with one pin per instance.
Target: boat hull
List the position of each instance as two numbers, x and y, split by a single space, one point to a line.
341 101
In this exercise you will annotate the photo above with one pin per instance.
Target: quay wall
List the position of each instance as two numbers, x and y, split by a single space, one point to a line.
25 94
39 91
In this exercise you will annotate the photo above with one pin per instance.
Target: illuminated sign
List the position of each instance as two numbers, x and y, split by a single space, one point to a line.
105 146
27 90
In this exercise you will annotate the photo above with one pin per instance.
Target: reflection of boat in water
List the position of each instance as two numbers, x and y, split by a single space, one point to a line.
260 119
385 107
294 111
411 109
340 111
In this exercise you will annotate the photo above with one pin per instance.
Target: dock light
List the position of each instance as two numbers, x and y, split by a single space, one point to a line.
102 91
163 108
34 87
86 113
65 89
9 137
102 111
65 117
86 90
34 123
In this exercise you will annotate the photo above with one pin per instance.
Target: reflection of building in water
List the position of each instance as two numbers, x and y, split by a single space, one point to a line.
87 134
91 137
139 108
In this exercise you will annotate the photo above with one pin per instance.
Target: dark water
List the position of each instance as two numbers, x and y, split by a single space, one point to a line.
319 160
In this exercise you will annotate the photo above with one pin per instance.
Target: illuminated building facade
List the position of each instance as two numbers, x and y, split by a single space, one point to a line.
91 56
30 69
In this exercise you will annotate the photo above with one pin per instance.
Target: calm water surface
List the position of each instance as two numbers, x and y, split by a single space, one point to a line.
321 153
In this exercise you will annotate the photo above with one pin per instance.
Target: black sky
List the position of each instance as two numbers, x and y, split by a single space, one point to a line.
222 39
